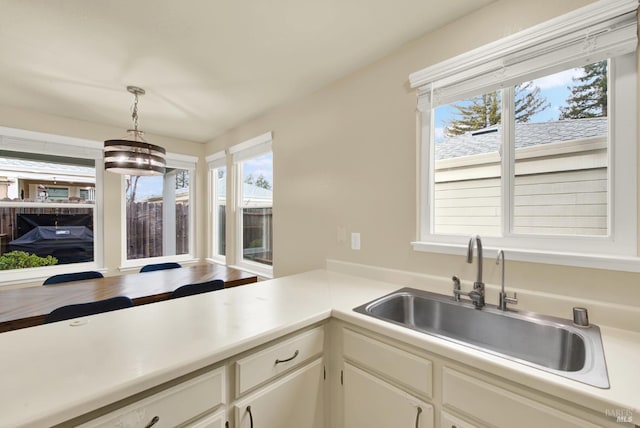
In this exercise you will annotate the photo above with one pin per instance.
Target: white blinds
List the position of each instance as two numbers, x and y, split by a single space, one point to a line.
603 29
251 148
216 160
180 161
35 142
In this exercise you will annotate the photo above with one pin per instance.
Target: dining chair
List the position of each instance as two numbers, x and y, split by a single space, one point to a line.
160 266
68 277
201 287
84 309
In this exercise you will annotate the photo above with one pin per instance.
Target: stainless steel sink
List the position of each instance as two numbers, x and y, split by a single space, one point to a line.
551 344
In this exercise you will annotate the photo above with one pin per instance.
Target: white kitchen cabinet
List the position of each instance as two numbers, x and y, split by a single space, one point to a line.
448 420
216 420
499 407
170 407
385 381
295 400
408 370
280 357
373 403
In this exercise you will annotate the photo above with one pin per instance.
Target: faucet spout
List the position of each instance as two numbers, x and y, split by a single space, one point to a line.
477 242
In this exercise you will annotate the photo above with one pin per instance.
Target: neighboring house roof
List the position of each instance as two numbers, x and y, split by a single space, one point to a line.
249 191
29 168
527 134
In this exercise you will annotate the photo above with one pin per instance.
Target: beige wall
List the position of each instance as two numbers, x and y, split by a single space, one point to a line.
345 156
32 121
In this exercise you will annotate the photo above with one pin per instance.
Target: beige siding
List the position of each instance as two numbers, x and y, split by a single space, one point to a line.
469 206
567 203
564 203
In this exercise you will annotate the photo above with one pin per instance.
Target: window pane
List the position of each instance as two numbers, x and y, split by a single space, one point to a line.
467 189
34 234
158 214
560 185
257 202
257 235
220 215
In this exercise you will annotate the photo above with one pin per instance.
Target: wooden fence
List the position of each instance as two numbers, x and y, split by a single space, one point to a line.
257 234
145 226
9 219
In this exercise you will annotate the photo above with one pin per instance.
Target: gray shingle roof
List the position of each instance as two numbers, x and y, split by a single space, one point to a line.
527 134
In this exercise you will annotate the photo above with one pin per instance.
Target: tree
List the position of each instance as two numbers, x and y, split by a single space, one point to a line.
484 111
249 179
528 102
262 182
480 112
132 187
182 179
588 96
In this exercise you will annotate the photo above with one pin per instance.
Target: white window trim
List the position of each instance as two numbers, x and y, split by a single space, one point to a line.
249 149
173 160
21 140
215 161
619 251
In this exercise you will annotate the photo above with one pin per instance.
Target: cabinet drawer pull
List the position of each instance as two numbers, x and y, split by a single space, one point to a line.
418 417
295 354
250 415
153 421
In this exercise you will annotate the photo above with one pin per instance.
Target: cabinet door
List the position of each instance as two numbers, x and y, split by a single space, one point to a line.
295 401
373 403
216 420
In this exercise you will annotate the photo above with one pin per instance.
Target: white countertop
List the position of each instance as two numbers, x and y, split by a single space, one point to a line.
56 372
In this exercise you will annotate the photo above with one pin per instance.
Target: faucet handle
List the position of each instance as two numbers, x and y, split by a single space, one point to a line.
511 300
456 288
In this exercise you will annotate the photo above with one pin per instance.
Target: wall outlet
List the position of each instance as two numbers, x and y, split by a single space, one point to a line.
355 241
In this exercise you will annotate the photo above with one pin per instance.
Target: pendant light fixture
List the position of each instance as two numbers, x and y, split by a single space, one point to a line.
132 155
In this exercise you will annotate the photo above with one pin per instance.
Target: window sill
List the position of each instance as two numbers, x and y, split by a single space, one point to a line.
134 265
594 261
256 269
39 274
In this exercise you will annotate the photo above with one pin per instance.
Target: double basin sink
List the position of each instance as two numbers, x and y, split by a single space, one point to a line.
551 344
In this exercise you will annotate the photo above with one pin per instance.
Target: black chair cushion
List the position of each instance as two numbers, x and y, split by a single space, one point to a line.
201 287
84 309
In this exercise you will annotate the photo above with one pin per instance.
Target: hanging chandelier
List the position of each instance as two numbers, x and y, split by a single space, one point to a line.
132 155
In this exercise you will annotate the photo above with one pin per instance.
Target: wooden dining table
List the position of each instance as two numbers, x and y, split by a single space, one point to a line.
28 307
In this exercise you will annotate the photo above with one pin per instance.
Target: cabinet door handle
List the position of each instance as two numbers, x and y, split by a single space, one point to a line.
250 415
418 417
295 354
152 422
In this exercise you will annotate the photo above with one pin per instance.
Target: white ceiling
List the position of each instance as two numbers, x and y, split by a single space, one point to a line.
207 65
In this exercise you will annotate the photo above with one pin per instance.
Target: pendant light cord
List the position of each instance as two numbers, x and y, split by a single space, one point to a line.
134 115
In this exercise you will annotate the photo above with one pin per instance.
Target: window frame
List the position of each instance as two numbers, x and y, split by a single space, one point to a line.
173 160
239 153
21 140
215 162
618 250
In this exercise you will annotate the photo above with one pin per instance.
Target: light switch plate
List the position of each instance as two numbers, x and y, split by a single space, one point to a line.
355 241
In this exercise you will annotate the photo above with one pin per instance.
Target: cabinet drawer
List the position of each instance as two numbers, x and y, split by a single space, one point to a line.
501 408
409 370
450 421
172 406
216 420
270 362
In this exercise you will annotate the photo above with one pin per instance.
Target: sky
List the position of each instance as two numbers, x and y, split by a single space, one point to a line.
552 87
152 185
